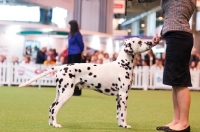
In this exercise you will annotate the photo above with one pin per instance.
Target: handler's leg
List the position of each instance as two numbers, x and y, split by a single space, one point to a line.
183 100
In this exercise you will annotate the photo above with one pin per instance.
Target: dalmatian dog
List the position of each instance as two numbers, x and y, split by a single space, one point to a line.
113 78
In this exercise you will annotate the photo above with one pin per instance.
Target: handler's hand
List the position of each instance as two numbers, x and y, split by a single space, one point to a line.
156 39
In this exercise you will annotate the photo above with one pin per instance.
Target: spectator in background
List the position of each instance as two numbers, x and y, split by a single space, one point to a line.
114 57
61 60
49 61
86 57
2 59
99 61
75 43
194 59
52 54
150 58
64 55
26 60
41 55
138 60
94 59
15 60
157 65
28 50
106 58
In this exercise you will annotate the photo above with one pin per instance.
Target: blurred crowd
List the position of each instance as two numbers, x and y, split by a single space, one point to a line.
51 57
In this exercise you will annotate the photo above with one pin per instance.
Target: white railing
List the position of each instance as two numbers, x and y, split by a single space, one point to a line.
144 77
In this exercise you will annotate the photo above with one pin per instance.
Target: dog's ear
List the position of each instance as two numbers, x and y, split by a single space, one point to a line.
128 48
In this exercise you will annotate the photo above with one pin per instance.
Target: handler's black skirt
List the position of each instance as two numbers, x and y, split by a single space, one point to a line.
178 51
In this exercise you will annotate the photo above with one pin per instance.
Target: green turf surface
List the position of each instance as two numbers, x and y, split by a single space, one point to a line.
26 110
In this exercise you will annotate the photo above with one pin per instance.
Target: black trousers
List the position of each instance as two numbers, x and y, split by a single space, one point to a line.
75 59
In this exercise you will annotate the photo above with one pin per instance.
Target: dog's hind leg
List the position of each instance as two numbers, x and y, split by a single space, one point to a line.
52 106
64 96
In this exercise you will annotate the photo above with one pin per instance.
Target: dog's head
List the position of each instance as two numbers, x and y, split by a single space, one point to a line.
136 45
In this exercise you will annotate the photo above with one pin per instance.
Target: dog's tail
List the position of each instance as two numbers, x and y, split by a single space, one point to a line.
39 76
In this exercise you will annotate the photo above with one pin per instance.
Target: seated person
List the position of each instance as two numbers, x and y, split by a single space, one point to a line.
49 61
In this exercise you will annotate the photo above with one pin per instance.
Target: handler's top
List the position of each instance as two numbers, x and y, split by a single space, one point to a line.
177 14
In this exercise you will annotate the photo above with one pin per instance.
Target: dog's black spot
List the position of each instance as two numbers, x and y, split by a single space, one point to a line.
114 89
126 97
69 70
52 112
66 68
98 86
71 75
88 68
95 76
112 94
52 68
53 104
52 118
122 120
79 70
119 79
95 65
64 74
81 79
90 74
85 80
49 110
121 114
57 79
118 62
123 102
123 84
63 89
56 103
65 86
113 84
88 86
75 70
92 84
127 77
120 86
59 86
107 90
72 85
60 69
60 81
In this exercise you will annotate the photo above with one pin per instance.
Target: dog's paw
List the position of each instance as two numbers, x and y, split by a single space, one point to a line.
127 126
50 124
57 126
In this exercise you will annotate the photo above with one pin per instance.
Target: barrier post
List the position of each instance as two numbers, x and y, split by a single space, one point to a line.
39 85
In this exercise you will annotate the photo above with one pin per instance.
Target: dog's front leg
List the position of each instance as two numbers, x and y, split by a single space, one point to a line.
123 95
118 109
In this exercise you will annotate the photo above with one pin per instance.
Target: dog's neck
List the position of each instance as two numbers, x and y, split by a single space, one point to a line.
124 56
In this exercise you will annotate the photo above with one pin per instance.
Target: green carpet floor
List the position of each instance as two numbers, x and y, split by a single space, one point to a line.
26 110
